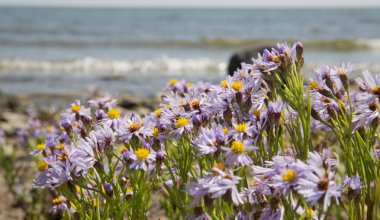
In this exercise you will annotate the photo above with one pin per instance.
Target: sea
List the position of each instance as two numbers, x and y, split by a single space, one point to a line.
47 50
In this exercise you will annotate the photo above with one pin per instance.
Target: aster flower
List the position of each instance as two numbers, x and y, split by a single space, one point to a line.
182 125
370 83
366 114
353 185
236 154
285 49
317 184
77 111
286 179
210 140
60 205
308 213
39 150
257 191
241 129
324 107
134 126
103 136
143 158
227 183
112 119
105 103
272 212
275 110
267 62
342 73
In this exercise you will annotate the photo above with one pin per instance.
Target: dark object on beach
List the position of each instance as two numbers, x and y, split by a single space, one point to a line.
243 56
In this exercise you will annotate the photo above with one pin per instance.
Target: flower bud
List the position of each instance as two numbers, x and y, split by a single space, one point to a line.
299 51
160 156
66 124
108 189
127 156
100 114
197 120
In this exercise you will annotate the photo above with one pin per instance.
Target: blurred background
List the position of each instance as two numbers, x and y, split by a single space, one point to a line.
126 47
54 51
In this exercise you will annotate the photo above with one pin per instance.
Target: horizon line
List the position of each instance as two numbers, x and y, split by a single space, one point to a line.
165 6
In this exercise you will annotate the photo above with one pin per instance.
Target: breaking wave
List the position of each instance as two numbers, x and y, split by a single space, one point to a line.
91 65
333 44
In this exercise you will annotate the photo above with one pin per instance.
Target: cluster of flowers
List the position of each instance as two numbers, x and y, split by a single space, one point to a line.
247 148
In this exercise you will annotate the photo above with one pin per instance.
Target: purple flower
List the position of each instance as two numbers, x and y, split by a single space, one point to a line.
77 111
342 72
366 114
143 158
210 140
103 136
134 126
105 103
317 184
236 154
353 185
59 205
370 83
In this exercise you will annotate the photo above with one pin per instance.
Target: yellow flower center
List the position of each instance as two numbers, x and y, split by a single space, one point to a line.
237 147
123 149
257 114
40 146
130 190
113 114
172 82
182 122
237 86
309 213
57 201
60 147
142 154
63 157
134 127
42 166
289 176
375 90
75 108
224 84
276 59
219 166
225 130
190 85
287 53
78 189
195 104
156 132
241 128
50 129
157 112
313 86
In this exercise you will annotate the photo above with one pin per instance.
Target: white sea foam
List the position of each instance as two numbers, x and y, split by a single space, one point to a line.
91 65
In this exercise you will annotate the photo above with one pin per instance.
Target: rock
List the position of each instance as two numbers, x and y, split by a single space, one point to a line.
243 56
130 102
137 105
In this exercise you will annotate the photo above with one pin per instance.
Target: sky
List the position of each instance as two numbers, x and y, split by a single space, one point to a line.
196 3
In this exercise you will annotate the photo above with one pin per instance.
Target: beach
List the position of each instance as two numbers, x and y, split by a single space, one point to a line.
50 57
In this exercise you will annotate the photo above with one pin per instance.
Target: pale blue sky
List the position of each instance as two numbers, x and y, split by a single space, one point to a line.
196 3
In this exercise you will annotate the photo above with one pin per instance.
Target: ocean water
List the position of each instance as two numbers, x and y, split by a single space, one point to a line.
136 51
